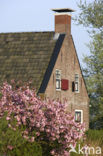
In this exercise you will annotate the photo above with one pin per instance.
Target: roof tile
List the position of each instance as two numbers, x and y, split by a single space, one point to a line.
25 56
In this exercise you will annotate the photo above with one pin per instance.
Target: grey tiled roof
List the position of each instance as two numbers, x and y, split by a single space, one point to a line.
25 56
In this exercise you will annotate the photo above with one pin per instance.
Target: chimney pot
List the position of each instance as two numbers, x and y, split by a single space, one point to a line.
63 20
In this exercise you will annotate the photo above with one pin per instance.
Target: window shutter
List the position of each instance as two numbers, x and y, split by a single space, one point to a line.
73 86
64 84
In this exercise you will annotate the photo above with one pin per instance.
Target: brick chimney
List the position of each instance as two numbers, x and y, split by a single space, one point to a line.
63 20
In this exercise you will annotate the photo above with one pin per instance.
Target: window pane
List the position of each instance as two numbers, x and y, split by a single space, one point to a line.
78 116
58 79
76 86
57 84
58 75
76 77
77 83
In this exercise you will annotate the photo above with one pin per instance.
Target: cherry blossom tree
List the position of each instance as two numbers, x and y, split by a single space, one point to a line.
46 122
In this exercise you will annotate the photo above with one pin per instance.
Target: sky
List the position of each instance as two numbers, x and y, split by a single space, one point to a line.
36 15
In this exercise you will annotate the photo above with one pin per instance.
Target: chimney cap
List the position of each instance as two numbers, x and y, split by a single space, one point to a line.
63 10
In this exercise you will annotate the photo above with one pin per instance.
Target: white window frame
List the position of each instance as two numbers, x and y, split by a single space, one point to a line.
59 79
77 83
81 111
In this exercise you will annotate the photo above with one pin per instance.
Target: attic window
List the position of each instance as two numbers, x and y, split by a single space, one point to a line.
58 79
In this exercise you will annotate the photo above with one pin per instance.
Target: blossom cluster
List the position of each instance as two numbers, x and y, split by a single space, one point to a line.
46 120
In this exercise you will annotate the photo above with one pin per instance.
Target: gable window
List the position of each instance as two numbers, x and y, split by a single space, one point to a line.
58 79
77 83
79 116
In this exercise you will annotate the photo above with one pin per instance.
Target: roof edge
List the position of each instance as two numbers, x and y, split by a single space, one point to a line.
51 63
80 66
19 32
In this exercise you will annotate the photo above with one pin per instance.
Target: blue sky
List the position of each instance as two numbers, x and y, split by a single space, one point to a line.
36 15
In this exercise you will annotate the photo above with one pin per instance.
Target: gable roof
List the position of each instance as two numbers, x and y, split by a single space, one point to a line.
29 56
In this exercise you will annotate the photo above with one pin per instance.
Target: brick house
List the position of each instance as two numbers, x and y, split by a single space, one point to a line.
50 60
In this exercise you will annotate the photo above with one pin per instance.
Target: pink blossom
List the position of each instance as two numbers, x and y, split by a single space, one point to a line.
26 132
52 152
32 139
10 147
18 118
43 120
37 133
24 119
7 118
26 137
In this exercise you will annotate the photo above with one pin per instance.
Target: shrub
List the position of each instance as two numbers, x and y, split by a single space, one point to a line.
45 123
13 144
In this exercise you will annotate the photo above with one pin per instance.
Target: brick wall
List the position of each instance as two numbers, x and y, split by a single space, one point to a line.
67 62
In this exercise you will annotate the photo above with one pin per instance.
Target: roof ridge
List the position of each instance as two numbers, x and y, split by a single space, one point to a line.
26 32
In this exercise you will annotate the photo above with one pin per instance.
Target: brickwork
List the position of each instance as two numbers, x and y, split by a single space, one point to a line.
68 63
63 24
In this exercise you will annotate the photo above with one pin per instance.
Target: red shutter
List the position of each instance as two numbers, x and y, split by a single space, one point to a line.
64 84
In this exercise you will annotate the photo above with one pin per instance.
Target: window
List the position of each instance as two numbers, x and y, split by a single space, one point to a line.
79 116
76 83
58 79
